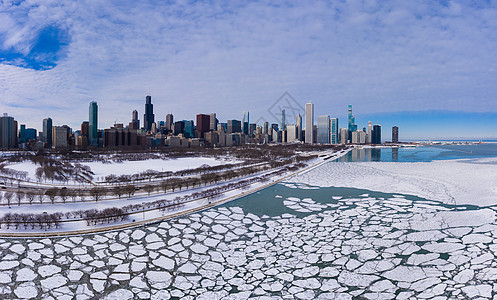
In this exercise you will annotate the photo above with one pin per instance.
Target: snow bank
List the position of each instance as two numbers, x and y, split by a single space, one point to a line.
464 181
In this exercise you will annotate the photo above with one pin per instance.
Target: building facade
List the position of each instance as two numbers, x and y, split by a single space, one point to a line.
93 124
309 123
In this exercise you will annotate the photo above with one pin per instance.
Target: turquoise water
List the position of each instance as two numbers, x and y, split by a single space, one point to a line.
421 154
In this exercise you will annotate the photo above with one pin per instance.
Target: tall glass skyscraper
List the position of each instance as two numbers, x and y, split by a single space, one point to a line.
352 127
148 117
376 134
324 129
334 131
93 124
246 121
47 132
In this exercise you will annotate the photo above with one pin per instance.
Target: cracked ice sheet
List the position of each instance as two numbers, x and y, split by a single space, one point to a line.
461 181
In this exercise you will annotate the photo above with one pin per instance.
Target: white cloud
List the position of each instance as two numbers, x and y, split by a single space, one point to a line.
226 57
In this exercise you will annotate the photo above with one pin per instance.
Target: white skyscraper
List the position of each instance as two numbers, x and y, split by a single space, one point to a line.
370 132
309 123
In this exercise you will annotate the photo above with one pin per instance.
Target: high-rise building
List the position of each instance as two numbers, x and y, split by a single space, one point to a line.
212 122
309 123
370 132
298 127
203 124
376 134
334 131
233 126
245 123
291 133
352 127
283 120
395 134
47 132
344 136
135 122
8 132
252 128
323 129
189 131
179 127
59 136
169 122
148 117
265 128
93 125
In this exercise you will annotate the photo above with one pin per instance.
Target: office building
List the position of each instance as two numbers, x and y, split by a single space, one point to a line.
309 123
189 129
27 134
335 131
370 132
395 134
291 133
233 126
298 127
169 122
213 122
283 120
265 128
135 122
252 128
246 121
352 127
203 124
59 136
376 139
323 130
344 136
47 132
93 125
148 117
8 132
179 127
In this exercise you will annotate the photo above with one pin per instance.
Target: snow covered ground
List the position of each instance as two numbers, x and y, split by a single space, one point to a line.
463 181
132 167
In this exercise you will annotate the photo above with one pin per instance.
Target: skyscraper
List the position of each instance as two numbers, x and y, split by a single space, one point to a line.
148 117
169 122
265 128
376 134
309 123
298 127
324 129
370 133
283 120
212 122
135 122
352 127
47 132
334 131
93 125
203 124
233 126
395 134
8 132
246 121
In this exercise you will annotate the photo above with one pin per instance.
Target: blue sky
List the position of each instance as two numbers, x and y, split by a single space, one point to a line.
427 66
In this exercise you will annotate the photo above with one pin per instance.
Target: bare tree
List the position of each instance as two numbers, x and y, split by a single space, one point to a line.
130 190
149 188
40 197
51 194
19 196
63 194
118 191
8 196
31 197
97 193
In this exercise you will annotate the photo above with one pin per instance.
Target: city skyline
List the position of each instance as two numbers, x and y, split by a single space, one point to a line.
417 60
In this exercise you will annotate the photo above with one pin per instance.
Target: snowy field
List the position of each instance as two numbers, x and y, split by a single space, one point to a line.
464 181
132 167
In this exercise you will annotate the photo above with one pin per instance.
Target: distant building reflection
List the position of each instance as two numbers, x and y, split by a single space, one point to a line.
375 154
395 154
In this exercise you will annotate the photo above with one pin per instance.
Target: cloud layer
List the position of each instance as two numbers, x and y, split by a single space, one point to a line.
230 56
